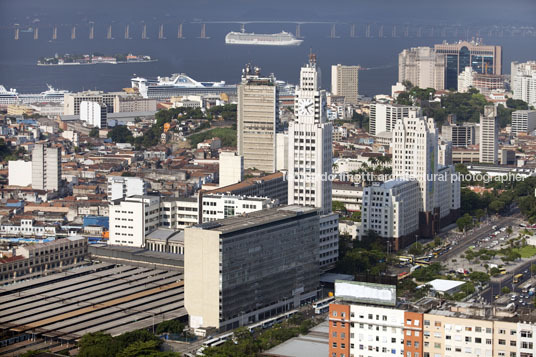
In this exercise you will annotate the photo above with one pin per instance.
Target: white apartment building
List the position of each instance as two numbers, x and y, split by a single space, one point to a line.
27 227
132 218
345 82
120 187
281 152
258 117
523 81
423 67
489 136
383 116
444 153
94 114
46 168
220 206
231 168
391 209
523 121
19 173
349 195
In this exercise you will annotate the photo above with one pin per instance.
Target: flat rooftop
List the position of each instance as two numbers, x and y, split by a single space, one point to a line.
256 218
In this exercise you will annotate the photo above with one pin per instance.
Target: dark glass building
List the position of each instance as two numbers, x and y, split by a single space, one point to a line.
482 59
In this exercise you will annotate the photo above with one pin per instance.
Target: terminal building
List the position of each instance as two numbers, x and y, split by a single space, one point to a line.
246 269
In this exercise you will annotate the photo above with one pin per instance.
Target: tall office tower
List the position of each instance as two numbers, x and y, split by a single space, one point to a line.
414 149
94 114
523 79
489 136
423 67
46 168
345 82
310 158
310 146
258 117
383 116
482 59
523 121
240 270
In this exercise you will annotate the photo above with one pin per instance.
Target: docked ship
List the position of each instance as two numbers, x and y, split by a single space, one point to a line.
249 38
179 84
11 96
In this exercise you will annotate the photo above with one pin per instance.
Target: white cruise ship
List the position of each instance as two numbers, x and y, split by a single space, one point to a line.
13 97
277 39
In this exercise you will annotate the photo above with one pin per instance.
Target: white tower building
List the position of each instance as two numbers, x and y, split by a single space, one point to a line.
310 158
489 136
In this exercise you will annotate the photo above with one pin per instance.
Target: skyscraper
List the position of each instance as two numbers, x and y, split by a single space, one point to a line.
258 115
310 143
414 150
46 168
423 67
345 82
482 59
310 158
489 136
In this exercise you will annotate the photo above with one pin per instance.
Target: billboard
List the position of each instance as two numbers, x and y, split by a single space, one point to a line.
368 293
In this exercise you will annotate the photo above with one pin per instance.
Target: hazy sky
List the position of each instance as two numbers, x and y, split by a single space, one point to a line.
487 12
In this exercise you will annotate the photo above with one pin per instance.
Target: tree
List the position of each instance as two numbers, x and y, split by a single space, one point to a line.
338 206
120 134
416 249
94 133
170 326
97 344
505 290
465 222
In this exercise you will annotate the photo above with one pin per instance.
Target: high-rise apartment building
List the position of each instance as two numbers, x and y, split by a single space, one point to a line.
46 168
523 81
482 59
383 116
489 136
94 114
423 67
523 121
258 117
245 269
310 158
345 82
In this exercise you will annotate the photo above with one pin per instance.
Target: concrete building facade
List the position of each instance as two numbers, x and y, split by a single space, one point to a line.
94 114
231 168
46 168
423 67
245 269
383 116
258 117
489 136
523 81
523 121
120 187
345 82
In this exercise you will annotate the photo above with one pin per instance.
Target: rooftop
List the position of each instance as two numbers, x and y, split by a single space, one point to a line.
237 223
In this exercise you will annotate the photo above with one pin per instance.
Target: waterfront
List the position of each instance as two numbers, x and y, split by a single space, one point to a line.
212 60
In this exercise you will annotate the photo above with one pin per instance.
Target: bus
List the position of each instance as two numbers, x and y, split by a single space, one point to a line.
322 306
403 275
517 278
422 262
502 271
526 287
405 259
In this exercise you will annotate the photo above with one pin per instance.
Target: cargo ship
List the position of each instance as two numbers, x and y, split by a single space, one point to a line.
249 38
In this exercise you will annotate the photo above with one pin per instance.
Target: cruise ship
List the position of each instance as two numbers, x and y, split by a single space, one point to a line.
11 96
249 38
179 84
